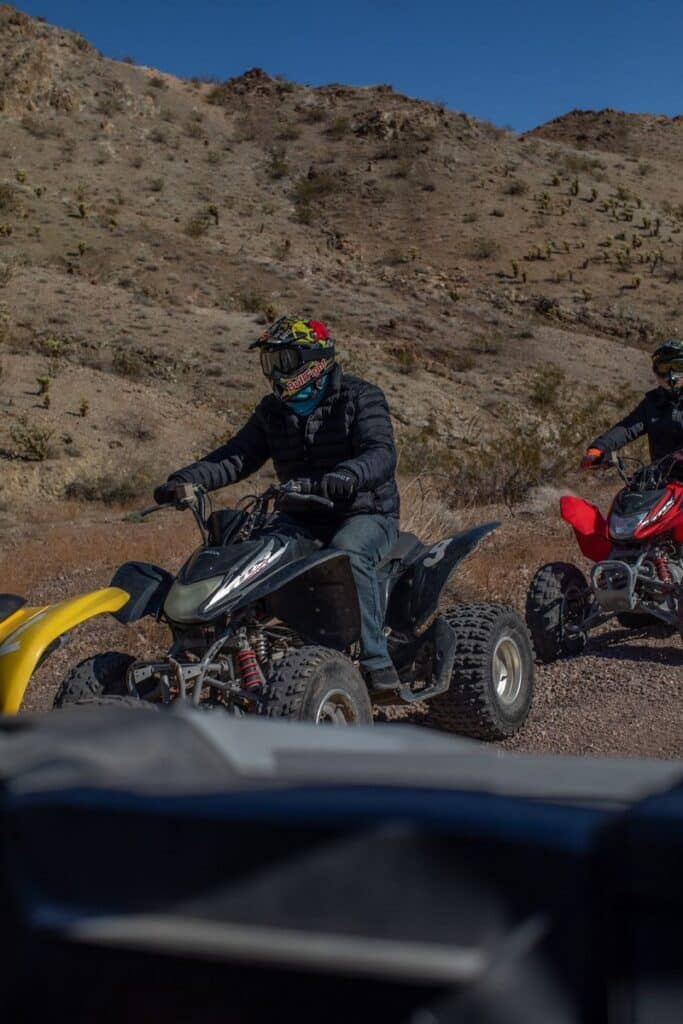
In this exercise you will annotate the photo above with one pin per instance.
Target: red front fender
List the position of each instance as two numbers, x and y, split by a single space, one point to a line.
589 525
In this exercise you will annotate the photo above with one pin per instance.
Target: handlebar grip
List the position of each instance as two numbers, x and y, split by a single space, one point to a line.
307 499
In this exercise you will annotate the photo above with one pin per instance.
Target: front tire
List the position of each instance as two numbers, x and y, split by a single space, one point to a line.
557 598
316 684
103 675
492 683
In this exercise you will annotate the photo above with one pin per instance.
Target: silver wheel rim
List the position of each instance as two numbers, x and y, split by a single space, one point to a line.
338 708
507 670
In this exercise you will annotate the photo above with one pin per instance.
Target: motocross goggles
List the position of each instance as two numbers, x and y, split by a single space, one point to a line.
293 367
667 368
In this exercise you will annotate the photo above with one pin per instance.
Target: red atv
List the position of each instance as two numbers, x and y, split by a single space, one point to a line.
638 556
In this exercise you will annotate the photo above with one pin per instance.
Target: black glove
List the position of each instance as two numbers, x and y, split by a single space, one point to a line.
340 485
165 494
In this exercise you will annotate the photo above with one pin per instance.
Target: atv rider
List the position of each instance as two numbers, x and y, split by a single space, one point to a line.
659 415
331 428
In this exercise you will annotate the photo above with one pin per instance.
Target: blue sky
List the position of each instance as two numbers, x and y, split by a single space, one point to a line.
514 63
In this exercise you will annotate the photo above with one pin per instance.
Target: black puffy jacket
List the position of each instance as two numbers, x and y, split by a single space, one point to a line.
659 415
351 428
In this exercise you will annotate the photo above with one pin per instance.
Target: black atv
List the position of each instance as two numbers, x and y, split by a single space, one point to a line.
264 625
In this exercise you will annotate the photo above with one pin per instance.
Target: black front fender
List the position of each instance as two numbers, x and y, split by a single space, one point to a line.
415 598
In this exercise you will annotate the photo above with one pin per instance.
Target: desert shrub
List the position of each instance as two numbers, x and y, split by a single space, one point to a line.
157 82
339 128
576 163
194 130
459 361
314 188
6 272
198 224
470 216
158 135
110 105
110 488
157 185
8 197
547 385
128 363
314 114
485 346
482 248
405 357
41 128
516 188
251 302
289 132
32 443
277 166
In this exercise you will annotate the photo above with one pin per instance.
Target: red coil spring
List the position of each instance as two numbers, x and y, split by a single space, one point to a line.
249 668
662 570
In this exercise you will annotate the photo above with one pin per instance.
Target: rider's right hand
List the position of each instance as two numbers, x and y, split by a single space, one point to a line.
165 494
592 459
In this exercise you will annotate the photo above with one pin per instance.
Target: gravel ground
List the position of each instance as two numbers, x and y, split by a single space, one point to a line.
624 696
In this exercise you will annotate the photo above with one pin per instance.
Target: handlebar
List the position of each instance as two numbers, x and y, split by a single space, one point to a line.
300 493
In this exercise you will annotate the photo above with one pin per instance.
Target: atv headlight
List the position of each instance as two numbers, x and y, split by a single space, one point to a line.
621 527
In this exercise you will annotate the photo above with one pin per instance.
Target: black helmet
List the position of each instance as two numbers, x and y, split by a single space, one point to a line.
667 363
295 353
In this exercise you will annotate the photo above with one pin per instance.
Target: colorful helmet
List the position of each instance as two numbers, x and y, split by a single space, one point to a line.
295 353
667 363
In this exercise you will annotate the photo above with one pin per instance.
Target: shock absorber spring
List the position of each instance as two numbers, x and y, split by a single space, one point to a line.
249 669
662 570
258 641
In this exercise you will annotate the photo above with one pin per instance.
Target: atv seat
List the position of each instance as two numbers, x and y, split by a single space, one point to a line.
405 550
9 604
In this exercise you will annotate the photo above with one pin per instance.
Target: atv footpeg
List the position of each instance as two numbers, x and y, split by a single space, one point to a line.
431 656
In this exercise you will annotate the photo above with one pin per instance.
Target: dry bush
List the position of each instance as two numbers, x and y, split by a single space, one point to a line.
277 166
42 127
314 114
6 273
516 188
9 197
424 512
482 248
198 224
314 188
405 356
339 129
113 487
574 163
32 442
128 363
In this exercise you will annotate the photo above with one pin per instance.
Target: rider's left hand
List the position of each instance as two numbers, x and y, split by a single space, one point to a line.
340 485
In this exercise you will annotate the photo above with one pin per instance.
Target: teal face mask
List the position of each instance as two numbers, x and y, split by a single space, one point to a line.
309 398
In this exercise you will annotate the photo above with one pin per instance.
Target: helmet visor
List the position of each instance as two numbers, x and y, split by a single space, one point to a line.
664 367
284 359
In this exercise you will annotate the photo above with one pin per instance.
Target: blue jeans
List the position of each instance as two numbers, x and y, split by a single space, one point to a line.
366 540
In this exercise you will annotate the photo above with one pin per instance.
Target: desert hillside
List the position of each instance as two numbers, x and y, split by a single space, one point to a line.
148 225
504 289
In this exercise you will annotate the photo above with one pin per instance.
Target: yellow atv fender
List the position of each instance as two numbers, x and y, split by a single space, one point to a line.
28 632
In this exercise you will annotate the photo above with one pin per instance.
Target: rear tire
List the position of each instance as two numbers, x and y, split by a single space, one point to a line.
492 683
316 684
103 675
556 598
